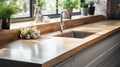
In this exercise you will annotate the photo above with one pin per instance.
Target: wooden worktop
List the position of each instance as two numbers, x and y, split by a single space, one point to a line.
49 50
7 36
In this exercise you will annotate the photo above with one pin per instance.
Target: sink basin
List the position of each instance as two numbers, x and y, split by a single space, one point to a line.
75 34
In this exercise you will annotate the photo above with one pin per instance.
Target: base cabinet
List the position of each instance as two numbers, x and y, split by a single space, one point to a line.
112 61
66 63
104 53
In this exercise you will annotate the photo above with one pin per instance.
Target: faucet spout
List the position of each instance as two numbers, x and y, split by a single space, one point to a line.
62 25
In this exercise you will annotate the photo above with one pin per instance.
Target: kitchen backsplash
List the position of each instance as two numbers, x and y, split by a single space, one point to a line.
101 6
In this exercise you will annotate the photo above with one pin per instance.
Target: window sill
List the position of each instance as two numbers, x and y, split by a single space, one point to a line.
32 23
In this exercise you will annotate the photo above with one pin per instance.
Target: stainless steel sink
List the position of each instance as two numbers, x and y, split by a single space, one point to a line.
75 34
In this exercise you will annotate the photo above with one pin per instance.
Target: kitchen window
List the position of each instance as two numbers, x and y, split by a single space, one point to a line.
50 9
25 5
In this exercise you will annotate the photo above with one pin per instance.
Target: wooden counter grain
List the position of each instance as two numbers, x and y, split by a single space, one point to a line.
7 36
48 50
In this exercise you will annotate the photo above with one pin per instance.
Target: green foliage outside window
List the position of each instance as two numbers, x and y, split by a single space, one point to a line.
8 8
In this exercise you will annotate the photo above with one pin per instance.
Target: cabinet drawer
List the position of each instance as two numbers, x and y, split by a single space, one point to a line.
66 63
104 57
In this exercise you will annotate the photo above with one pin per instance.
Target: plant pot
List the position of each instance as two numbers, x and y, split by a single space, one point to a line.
0 24
67 13
84 11
6 23
91 10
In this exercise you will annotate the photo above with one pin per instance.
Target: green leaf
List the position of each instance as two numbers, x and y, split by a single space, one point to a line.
8 9
84 5
40 3
68 3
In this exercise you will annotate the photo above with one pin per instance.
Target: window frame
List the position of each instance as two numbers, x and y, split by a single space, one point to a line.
21 19
58 14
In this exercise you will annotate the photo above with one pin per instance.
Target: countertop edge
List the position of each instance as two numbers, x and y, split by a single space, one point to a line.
77 49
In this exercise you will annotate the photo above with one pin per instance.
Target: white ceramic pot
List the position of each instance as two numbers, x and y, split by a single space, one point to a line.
84 11
67 12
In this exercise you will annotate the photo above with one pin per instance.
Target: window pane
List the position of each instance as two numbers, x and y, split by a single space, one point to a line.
60 9
25 6
49 8
74 10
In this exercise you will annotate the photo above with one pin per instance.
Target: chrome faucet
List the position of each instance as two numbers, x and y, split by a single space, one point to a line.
62 25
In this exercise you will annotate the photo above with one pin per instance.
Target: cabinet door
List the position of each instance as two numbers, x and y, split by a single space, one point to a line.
86 56
104 57
113 60
66 63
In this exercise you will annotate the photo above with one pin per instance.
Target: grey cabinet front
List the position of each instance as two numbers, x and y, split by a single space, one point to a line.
95 55
66 63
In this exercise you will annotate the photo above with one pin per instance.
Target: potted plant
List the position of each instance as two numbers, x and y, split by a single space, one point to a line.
7 9
68 6
91 8
37 11
84 8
